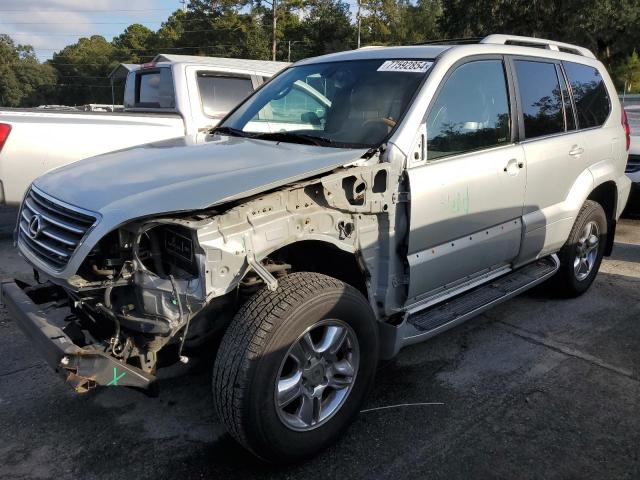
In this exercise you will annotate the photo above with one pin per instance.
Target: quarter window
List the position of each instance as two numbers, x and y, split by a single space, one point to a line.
220 94
541 98
471 111
589 94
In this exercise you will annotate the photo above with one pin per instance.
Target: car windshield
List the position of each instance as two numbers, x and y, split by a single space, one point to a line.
341 104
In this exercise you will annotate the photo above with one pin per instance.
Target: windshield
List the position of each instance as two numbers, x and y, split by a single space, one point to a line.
343 104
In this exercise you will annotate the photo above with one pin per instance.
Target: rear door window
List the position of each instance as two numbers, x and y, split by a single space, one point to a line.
589 94
540 98
220 93
471 111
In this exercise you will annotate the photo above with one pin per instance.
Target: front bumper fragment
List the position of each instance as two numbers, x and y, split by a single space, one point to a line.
83 368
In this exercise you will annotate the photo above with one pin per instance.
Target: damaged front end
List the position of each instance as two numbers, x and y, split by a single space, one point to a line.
154 290
139 292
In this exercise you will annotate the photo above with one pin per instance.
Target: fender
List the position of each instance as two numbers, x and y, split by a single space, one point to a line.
350 209
540 237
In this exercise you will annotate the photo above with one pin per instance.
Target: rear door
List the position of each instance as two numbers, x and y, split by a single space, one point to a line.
558 146
467 200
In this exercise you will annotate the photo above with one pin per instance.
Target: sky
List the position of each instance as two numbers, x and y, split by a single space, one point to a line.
50 25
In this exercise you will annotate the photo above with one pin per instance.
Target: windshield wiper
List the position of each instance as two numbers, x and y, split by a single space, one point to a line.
234 132
295 137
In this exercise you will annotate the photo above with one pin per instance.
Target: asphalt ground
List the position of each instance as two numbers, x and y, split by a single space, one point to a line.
538 387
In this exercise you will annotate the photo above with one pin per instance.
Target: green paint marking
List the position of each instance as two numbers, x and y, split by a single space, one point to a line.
116 377
459 203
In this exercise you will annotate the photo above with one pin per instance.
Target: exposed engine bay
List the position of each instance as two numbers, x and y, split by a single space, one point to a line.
155 290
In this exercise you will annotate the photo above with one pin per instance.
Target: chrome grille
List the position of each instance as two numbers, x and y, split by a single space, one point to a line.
50 229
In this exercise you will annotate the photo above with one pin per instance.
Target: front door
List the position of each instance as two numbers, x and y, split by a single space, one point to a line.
467 200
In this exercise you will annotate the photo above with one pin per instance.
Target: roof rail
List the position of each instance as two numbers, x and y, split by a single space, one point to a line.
539 43
450 41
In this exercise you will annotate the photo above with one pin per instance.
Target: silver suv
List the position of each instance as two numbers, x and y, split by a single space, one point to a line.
356 203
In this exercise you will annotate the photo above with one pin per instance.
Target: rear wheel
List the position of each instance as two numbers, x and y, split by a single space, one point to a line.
295 366
581 256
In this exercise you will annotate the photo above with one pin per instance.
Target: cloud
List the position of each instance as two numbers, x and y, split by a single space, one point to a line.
50 25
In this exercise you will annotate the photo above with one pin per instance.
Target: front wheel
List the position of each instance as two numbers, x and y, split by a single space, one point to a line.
295 366
581 256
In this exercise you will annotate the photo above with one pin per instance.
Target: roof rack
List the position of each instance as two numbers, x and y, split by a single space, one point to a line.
451 41
538 43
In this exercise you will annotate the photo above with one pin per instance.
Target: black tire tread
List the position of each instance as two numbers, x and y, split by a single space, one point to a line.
246 338
563 281
586 210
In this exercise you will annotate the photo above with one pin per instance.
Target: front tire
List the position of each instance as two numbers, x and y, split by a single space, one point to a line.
581 256
295 365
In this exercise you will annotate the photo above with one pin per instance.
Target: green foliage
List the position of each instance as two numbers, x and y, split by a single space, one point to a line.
608 27
326 28
83 70
137 43
23 81
627 75
242 28
224 28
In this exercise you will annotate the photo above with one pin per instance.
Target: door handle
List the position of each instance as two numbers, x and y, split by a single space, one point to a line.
576 151
511 166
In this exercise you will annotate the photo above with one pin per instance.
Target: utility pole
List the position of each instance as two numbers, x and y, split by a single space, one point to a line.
358 17
292 42
273 47
184 5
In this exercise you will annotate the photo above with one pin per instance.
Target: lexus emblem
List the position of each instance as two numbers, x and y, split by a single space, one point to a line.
35 224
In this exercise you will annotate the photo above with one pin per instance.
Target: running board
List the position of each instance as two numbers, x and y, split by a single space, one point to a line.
424 324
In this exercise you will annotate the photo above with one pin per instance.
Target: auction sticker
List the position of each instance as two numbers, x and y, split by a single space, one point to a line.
415 66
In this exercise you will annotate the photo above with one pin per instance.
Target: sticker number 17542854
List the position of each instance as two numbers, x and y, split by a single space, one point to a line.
413 66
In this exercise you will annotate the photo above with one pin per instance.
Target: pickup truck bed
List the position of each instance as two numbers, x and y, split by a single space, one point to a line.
35 132
172 96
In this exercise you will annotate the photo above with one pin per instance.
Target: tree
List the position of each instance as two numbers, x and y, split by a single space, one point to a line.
83 70
137 44
24 82
225 28
628 74
422 21
327 28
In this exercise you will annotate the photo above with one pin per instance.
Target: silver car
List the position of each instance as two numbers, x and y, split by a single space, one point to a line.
354 204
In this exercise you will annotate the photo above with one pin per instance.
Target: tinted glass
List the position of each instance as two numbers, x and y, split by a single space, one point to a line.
220 94
471 111
589 94
541 99
568 106
349 104
155 89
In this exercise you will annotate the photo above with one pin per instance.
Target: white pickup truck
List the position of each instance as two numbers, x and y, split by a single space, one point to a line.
172 96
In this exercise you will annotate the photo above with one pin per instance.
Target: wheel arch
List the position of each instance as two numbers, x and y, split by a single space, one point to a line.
606 194
327 258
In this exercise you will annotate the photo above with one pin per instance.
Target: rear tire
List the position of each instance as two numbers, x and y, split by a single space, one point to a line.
581 256
315 335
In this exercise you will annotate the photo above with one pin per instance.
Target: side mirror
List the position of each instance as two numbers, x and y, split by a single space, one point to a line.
418 155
